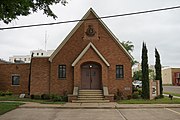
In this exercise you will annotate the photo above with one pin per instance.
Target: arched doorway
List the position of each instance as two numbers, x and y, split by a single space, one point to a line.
91 76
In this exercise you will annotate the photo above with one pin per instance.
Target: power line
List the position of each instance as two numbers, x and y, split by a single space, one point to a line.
111 16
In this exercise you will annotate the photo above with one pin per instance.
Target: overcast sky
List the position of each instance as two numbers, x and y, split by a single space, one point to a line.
159 29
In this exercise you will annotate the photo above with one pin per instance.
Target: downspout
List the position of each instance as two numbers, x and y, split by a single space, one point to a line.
29 82
49 77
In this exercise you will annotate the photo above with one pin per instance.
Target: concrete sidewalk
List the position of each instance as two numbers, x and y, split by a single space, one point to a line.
111 105
173 96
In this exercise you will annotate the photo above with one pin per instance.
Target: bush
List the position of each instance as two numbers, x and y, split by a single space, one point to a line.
140 92
55 98
37 97
159 97
32 96
52 97
58 98
2 93
8 93
118 95
129 97
135 95
5 93
45 96
134 89
65 98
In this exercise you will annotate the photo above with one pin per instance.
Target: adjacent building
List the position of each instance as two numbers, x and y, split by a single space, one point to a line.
171 76
27 58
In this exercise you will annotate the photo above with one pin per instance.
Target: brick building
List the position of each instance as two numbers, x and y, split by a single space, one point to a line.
89 58
171 76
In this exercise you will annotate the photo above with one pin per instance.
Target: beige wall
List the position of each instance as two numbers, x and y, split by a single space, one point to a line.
167 76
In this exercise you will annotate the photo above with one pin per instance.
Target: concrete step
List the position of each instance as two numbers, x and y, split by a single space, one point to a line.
92 96
90 101
90 90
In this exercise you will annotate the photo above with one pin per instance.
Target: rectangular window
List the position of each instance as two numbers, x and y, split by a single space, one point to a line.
119 71
15 80
62 71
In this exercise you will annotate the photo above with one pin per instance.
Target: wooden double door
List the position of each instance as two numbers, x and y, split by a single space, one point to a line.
91 76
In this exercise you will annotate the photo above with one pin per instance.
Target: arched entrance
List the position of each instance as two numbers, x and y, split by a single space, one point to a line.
91 76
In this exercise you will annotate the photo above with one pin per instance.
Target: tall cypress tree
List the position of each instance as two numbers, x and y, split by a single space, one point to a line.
158 70
145 73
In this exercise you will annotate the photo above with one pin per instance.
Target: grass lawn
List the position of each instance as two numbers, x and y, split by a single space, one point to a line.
174 94
16 98
8 106
164 100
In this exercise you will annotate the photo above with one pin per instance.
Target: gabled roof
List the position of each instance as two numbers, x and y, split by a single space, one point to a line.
78 25
85 50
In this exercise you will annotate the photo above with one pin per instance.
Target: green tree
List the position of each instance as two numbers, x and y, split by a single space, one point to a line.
11 9
158 70
151 74
137 75
145 73
129 47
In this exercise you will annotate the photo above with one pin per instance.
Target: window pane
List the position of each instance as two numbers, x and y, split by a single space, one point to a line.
119 71
15 80
62 71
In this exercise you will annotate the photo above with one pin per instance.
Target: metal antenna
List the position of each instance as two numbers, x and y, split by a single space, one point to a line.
45 39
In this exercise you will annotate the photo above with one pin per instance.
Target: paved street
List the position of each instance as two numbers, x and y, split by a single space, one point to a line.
172 89
92 114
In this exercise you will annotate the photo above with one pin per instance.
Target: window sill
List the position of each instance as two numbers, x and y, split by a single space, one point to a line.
15 85
62 78
119 78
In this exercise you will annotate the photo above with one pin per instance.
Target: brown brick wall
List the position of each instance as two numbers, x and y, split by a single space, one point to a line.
39 76
174 71
6 72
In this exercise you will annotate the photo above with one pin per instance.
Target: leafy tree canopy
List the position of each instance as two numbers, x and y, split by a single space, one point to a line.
128 45
11 9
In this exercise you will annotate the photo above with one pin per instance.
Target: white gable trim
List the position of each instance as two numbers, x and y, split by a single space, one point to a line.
85 50
77 26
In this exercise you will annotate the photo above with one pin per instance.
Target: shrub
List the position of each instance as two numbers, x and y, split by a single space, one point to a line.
118 95
45 96
134 89
55 98
129 97
8 93
64 98
5 93
135 95
2 93
32 96
159 97
140 92
59 98
37 97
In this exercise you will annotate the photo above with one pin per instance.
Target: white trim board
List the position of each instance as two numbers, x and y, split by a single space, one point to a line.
85 50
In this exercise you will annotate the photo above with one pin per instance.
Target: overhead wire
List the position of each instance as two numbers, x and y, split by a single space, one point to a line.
105 17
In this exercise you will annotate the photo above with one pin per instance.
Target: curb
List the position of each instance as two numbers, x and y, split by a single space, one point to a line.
85 107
